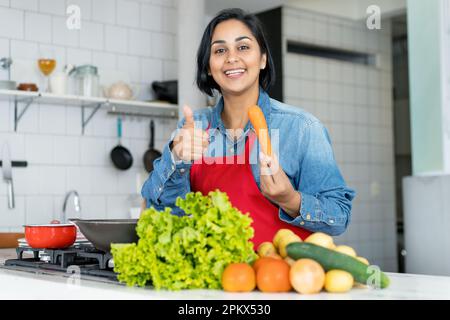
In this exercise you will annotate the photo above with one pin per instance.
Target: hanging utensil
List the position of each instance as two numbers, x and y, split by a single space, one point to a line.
7 175
121 156
151 154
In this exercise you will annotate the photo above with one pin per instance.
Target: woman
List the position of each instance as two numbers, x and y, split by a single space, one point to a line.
299 187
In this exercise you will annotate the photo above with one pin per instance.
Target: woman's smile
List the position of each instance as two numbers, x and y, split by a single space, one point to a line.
235 73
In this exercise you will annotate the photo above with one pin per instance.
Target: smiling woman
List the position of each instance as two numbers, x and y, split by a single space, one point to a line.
296 186
223 55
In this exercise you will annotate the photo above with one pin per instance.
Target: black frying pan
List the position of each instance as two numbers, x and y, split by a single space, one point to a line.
151 154
104 232
121 156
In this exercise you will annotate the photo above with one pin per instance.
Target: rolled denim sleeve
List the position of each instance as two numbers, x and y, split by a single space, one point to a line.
326 201
168 180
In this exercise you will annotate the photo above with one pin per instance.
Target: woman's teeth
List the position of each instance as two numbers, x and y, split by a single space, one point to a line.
235 72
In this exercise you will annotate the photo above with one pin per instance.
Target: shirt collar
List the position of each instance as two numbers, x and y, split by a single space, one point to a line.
263 103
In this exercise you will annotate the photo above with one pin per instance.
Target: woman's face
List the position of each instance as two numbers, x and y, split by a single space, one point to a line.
236 60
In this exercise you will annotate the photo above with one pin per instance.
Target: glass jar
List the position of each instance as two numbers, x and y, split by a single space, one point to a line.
86 80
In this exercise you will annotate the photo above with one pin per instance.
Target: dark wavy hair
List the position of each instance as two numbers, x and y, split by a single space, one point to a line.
206 82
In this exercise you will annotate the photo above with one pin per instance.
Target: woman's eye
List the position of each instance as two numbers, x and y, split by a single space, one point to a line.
221 50
244 47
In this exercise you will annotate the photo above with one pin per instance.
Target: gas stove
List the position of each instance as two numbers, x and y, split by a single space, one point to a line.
82 259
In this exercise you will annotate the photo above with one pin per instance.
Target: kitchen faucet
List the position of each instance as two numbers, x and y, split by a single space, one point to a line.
76 202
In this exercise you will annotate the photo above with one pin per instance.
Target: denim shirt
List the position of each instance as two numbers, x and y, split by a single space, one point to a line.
304 152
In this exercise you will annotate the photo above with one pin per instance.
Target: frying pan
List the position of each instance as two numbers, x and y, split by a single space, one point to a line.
121 156
50 236
151 154
104 232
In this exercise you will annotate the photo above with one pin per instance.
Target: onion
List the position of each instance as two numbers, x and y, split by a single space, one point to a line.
307 276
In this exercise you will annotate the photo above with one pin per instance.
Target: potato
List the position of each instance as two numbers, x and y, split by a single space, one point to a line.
321 239
281 234
338 281
285 241
346 250
266 248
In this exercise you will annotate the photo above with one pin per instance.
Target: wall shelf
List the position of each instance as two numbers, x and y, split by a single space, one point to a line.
125 107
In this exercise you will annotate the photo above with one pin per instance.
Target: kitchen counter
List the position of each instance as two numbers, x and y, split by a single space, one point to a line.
6 254
30 285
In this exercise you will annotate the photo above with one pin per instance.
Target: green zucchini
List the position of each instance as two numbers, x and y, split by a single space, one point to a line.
331 260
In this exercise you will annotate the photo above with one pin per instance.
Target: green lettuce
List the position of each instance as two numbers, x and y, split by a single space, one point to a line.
187 252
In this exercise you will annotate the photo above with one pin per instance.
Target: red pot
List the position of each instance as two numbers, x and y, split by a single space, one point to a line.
50 236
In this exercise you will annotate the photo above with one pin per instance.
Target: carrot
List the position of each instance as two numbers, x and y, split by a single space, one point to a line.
259 123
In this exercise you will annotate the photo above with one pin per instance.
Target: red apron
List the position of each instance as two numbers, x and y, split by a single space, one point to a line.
235 177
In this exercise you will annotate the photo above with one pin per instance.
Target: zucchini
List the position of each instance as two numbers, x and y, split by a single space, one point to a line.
332 260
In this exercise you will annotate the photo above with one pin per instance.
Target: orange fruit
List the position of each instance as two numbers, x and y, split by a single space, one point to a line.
273 276
238 277
260 261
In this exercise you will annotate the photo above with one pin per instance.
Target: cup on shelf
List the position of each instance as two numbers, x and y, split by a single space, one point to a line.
58 83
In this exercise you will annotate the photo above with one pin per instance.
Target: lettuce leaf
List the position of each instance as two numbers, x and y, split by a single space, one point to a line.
187 252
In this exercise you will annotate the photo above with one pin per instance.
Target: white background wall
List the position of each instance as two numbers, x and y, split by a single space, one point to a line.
355 104
135 37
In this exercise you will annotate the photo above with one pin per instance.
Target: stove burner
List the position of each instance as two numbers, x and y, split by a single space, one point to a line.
89 261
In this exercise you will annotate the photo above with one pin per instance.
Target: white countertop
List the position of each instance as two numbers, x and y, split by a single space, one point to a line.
24 285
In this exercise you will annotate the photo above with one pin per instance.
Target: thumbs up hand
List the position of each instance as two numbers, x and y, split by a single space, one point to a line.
190 142
188 116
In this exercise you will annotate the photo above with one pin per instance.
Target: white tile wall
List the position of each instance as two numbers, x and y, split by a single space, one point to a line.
62 35
55 7
29 5
134 37
11 23
38 27
104 60
91 36
128 13
116 39
85 7
130 63
166 47
43 208
170 69
155 70
137 44
169 20
151 17
15 217
104 11
354 103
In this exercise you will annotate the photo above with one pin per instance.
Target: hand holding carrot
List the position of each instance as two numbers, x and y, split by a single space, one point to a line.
274 183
